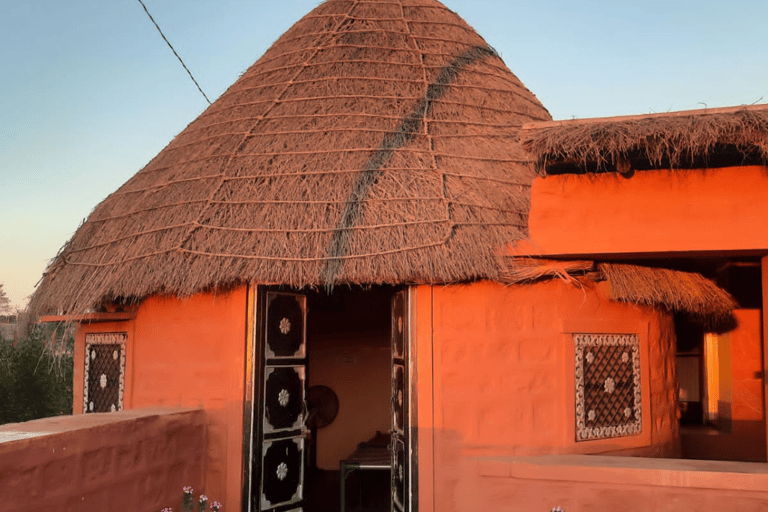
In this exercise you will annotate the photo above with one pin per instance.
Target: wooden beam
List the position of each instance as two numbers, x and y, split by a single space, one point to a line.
89 318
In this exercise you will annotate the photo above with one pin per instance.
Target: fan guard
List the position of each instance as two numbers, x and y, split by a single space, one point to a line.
323 405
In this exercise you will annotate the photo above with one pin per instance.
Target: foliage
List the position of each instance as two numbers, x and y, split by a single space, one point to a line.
36 375
5 302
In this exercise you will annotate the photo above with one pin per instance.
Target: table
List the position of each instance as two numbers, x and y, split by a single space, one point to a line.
369 456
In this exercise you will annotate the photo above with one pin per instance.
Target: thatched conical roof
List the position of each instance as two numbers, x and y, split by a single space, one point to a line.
374 142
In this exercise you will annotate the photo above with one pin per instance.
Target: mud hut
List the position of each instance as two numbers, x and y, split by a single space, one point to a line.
682 190
338 223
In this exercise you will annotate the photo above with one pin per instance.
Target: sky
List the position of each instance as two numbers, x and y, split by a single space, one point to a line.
89 91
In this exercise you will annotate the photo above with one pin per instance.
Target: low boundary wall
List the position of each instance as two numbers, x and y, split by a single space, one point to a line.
136 460
585 483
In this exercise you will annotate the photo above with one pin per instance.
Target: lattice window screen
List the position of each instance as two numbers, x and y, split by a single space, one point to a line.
104 380
608 392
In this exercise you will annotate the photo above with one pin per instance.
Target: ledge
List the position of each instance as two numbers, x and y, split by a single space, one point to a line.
90 318
680 473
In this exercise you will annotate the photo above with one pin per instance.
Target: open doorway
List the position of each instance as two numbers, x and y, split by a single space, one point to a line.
720 376
348 340
323 399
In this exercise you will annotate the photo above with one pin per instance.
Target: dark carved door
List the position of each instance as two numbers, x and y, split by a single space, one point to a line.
282 431
400 406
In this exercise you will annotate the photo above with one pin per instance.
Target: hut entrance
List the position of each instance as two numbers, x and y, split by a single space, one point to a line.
330 400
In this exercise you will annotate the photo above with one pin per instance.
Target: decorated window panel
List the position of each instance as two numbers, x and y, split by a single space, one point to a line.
104 378
608 391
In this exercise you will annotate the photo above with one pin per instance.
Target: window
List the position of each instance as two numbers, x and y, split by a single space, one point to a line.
608 391
104 378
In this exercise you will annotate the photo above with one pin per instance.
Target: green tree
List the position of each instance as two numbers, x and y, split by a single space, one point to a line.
35 380
5 302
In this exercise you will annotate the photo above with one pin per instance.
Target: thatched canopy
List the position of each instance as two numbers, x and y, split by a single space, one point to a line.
675 290
696 138
374 142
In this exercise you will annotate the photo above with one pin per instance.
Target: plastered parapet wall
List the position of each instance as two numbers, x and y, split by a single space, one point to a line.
130 460
580 483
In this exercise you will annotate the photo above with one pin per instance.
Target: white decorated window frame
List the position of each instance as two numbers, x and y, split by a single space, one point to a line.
582 343
110 338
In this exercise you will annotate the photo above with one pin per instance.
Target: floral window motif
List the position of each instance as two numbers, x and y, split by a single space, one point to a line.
104 378
608 392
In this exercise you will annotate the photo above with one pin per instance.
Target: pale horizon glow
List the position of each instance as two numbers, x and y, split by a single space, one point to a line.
90 91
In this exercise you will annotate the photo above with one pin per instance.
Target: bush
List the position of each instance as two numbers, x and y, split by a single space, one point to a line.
35 381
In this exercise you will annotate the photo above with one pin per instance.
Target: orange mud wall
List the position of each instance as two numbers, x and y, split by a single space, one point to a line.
652 211
190 353
128 460
499 364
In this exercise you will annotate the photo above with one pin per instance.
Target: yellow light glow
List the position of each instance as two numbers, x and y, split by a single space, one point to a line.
712 364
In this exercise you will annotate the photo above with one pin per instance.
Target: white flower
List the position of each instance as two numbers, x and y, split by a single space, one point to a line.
590 357
610 385
283 397
114 355
285 326
282 471
625 357
103 381
627 412
591 415
188 490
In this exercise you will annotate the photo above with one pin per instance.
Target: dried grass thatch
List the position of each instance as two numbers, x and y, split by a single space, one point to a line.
672 139
684 292
374 142
687 292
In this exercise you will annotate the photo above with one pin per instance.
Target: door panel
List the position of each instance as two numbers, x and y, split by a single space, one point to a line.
284 395
399 401
282 432
282 480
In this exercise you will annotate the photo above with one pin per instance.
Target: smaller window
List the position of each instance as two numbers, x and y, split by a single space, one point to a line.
608 392
104 380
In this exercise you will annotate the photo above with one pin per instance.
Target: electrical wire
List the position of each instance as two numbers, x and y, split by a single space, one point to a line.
174 52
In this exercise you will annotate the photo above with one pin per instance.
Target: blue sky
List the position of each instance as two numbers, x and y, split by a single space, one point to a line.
89 92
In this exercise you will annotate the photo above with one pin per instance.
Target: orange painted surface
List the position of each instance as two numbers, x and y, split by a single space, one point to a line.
609 484
503 376
722 209
130 460
189 352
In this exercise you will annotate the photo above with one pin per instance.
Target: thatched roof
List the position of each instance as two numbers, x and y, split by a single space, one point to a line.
684 292
374 142
696 138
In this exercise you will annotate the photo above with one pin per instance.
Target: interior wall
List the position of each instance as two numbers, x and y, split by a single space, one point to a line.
349 351
503 375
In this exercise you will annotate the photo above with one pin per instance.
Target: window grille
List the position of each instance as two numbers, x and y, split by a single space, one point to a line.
104 380
608 392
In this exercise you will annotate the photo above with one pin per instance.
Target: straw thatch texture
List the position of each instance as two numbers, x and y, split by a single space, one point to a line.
671 139
678 291
374 142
